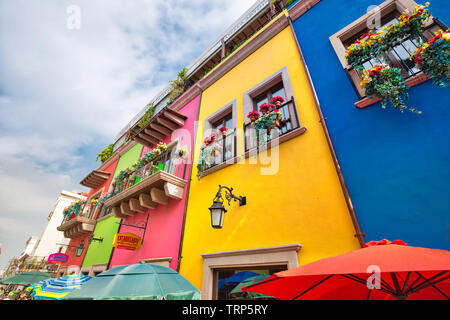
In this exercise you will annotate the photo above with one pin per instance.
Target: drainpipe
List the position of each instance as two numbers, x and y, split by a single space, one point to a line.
359 233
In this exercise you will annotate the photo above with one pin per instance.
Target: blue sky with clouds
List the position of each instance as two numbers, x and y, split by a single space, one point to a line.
66 93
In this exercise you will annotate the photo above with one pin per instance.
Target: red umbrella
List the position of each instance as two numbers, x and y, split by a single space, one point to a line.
381 270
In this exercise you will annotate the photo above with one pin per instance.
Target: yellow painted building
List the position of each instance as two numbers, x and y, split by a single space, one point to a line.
295 211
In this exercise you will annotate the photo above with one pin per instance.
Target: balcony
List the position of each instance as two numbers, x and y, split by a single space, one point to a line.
95 179
78 222
155 182
219 153
161 125
289 127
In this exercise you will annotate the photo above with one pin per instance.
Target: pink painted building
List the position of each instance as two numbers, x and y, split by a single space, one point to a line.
157 202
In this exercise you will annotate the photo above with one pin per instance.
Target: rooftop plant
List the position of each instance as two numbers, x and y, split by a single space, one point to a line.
147 116
106 153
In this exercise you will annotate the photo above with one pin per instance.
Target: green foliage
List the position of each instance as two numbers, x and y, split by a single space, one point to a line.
433 58
178 86
389 86
377 45
106 153
289 2
147 116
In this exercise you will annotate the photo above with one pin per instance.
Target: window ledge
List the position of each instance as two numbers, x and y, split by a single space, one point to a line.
218 167
411 82
288 136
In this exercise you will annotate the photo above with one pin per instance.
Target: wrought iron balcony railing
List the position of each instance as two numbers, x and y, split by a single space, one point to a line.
289 122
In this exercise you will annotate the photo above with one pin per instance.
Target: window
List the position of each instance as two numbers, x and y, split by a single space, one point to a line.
221 150
225 143
93 205
218 267
266 97
276 85
227 282
398 57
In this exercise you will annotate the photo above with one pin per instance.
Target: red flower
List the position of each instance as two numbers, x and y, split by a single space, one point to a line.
223 129
435 38
277 98
253 113
264 106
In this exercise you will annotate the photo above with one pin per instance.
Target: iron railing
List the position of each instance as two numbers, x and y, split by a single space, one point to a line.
397 57
288 122
166 161
223 148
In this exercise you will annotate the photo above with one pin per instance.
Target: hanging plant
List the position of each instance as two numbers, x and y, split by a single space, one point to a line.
433 58
387 84
161 146
376 45
253 115
182 152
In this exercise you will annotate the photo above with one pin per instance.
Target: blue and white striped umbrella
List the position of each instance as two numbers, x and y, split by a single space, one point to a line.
57 288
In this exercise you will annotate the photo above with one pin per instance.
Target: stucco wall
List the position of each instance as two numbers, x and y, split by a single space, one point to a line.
162 236
301 202
396 165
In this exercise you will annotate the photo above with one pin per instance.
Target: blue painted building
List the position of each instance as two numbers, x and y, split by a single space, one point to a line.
395 165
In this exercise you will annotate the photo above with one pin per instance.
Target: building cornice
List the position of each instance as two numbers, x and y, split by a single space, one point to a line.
253 44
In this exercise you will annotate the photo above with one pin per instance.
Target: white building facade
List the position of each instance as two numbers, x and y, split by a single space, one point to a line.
52 240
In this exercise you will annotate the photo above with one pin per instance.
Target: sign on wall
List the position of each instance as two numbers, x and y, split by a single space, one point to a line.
58 258
126 240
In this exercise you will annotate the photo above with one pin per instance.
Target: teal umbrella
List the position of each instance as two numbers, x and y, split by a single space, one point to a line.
136 282
26 278
236 293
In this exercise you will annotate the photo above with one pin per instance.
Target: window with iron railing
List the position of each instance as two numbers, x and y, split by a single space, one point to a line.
397 57
221 149
289 122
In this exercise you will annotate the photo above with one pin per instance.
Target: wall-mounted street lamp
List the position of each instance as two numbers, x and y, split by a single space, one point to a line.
80 248
217 209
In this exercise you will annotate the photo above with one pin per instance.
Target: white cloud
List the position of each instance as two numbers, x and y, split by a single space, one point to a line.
65 94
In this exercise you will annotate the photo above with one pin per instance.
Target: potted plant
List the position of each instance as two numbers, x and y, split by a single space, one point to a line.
208 152
253 115
377 45
106 153
161 147
433 58
277 101
387 84
278 115
182 152
265 108
223 130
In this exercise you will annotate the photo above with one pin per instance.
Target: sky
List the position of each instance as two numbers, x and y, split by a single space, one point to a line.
72 75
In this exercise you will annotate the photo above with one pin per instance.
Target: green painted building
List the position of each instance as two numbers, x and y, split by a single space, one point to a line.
99 253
